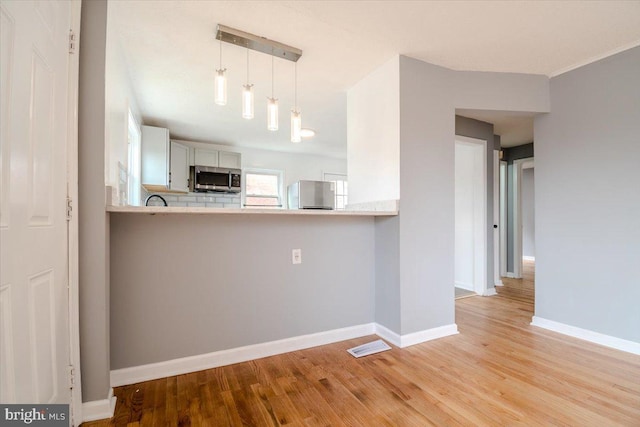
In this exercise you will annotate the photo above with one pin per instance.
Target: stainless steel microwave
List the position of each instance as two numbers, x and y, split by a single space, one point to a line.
207 178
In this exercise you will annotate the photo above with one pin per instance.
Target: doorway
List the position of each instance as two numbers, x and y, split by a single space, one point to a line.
470 216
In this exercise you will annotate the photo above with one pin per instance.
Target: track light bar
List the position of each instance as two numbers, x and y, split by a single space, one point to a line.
261 44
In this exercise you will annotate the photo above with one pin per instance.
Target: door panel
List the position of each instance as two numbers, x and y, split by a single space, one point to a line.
34 344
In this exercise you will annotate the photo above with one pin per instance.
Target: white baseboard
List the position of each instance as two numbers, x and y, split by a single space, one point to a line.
215 359
528 258
415 337
465 286
510 275
587 335
387 334
490 292
184 365
499 283
99 409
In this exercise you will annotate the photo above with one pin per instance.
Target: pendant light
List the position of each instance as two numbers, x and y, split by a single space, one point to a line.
220 84
247 95
296 117
272 104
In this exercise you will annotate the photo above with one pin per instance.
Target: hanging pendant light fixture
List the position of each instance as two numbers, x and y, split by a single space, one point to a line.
269 47
220 84
247 95
272 105
296 117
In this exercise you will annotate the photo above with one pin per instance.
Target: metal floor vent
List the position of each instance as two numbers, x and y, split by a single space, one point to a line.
369 348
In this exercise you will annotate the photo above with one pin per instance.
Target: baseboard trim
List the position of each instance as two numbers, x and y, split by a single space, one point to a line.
414 338
387 334
215 359
510 275
490 292
184 365
528 258
587 335
99 409
499 283
465 286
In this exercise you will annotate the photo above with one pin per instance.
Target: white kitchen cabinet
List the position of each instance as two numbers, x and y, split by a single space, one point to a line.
155 158
215 158
227 159
165 164
206 157
179 167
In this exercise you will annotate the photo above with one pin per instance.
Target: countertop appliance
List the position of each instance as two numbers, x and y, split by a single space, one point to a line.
207 178
312 195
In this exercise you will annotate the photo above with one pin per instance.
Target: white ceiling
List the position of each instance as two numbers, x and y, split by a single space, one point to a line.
171 53
514 127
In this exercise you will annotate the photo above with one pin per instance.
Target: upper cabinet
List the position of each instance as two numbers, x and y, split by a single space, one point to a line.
179 168
204 157
215 158
155 158
165 163
229 160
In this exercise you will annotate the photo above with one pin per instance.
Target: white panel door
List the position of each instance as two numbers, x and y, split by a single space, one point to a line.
34 330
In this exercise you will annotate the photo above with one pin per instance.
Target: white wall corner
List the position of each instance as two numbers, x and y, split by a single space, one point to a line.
215 359
587 335
99 409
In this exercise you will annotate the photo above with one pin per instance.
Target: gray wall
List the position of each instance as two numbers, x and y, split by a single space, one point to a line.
426 232
481 130
528 211
588 198
93 221
183 285
387 278
425 228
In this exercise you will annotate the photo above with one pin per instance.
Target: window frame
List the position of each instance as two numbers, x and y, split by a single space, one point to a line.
261 171
331 177
134 161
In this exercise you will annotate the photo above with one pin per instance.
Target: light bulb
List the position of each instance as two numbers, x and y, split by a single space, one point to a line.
272 114
220 88
247 101
296 126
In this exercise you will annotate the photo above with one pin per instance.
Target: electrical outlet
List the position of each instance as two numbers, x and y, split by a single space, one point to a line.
296 256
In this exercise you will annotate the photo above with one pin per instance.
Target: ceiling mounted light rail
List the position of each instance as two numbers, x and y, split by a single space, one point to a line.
260 44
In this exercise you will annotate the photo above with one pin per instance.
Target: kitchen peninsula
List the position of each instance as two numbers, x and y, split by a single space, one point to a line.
210 286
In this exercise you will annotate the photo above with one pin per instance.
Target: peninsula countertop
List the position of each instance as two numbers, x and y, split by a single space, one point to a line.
167 210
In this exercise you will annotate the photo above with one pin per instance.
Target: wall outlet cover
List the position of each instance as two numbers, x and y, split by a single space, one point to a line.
296 256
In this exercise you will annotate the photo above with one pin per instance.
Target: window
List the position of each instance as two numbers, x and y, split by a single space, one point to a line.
263 188
341 188
133 160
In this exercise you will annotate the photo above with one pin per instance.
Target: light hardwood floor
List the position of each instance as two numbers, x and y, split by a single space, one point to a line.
498 371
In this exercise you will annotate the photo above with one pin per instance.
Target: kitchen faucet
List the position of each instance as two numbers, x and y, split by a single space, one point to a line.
146 202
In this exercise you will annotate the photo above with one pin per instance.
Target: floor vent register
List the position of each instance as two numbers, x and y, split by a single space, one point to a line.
369 348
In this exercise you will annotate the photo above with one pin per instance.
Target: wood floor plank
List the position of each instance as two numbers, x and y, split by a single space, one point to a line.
499 370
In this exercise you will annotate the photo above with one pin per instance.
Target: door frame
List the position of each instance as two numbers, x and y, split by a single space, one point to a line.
503 218
518 166
497 220
480 247
72 225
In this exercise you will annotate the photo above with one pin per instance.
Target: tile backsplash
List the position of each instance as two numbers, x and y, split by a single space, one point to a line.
203 200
